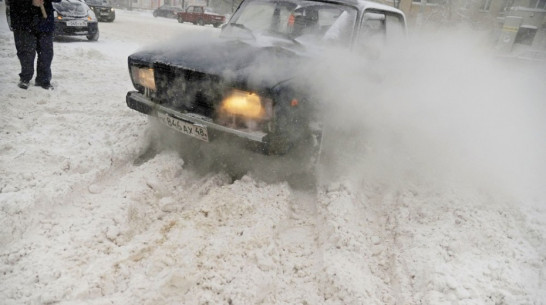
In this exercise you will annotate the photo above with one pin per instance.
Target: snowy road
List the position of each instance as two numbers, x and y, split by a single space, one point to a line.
86 219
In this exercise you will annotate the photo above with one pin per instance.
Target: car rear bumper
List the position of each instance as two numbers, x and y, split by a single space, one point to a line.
255 141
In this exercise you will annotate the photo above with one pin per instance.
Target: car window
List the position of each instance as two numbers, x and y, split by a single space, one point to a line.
263 15
306 20
379 29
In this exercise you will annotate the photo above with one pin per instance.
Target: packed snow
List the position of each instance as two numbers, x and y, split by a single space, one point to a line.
445 205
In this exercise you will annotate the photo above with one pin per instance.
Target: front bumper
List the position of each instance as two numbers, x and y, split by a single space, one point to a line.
104 13
254 140
61 29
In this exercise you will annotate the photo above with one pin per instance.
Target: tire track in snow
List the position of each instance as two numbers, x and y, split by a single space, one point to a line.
358 245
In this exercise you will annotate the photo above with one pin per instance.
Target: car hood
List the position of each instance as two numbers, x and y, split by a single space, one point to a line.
253 65
65 13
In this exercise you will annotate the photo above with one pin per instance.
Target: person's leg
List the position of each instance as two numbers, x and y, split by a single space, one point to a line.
25 44
45 57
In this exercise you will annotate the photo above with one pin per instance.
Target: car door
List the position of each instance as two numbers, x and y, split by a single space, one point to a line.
165 11
188 14
198 13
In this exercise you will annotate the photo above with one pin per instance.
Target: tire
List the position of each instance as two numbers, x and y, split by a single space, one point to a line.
200 22
180 19
154 14
93 37
216 25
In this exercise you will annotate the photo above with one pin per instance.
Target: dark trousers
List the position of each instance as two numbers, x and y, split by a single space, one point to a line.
28 44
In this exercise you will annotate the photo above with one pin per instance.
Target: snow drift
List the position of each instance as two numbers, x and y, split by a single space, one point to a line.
437 210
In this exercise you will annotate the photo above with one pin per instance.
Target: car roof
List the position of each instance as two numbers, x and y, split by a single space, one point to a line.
360 4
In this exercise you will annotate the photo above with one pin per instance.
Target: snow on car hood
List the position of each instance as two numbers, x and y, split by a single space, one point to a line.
258 63
70 9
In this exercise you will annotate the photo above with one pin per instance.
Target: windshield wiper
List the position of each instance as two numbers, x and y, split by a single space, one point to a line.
285 36
242 26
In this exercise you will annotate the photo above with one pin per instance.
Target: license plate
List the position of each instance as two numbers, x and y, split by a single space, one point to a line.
193 130
76 23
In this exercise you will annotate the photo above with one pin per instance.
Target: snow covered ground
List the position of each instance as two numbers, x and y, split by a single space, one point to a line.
449 211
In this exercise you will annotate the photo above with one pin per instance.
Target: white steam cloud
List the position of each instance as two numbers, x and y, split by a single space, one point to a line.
440 108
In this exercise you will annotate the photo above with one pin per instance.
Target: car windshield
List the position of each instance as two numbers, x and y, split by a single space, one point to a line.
304 21
71 8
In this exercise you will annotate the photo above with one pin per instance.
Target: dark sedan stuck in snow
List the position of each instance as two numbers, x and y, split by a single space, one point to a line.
244 86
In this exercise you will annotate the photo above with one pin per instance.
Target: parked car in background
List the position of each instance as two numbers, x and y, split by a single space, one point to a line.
103 9
75 18
201 15
167 11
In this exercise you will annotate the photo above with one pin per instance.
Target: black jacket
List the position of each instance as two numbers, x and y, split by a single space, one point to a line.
27 17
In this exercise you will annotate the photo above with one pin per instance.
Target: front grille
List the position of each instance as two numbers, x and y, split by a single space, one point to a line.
187 90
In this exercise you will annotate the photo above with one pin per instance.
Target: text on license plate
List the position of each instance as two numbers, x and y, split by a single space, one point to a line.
196 131
76 23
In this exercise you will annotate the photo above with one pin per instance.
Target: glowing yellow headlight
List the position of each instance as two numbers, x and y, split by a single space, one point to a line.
144 77
244 104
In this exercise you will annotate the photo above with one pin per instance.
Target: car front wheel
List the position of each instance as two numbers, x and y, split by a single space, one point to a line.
180 19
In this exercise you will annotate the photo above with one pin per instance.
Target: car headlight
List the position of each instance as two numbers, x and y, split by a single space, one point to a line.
144 77
91 15
246 104
112 9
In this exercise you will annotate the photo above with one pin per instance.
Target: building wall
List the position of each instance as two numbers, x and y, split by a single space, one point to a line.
153 4
477 12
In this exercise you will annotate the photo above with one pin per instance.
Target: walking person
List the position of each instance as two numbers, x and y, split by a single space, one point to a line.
33 25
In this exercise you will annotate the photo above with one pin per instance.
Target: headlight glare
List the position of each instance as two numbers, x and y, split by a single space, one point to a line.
246 104
144 77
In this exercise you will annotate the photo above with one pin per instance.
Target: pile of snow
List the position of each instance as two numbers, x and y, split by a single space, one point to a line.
88 218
